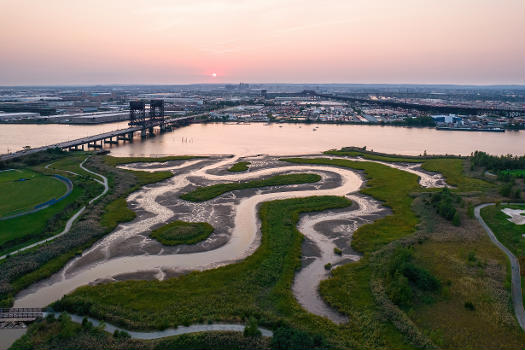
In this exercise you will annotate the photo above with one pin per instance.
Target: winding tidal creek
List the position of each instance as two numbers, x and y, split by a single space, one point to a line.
129 253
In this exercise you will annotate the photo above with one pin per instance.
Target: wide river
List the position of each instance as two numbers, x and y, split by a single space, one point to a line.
281 139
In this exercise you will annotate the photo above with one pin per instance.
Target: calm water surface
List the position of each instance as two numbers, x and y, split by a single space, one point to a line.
285 139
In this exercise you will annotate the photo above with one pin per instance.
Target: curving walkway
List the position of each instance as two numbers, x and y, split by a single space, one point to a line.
71 220
103 182
517 299
214 327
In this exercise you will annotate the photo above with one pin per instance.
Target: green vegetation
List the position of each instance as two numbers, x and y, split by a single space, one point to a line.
355 152
451 167
21 231
181 232
25 268
453 171
23 189
513 173
202 194
239 167
259 286
508 233
405 280
62 333
444 201
389 185
497 163
70 164
116 212
442 286
114 161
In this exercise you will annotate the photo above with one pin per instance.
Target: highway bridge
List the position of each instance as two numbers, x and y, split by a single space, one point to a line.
112 137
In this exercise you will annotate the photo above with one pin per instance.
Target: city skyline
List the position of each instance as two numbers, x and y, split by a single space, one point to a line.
184 42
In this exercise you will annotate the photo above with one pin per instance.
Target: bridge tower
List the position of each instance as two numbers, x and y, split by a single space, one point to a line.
156 112
137 113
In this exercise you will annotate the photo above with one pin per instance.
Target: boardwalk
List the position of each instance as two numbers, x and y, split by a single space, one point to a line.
20 314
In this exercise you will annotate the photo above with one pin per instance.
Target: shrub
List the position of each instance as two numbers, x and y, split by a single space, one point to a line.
289 339
506 190
121 334
338 251
469 306
251 329
399 290
328 266
423 279
456 220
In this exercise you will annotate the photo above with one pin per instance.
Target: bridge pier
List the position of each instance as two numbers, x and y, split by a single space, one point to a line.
110 141
126 137
95 145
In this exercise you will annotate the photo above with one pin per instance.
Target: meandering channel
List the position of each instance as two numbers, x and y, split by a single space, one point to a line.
107 259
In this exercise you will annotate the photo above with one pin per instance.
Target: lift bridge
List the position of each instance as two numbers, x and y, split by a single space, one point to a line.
143 118
139 117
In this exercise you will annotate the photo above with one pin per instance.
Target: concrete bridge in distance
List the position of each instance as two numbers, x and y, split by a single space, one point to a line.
112 137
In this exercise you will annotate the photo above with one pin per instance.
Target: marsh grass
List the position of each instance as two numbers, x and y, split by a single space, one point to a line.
239 167
181 232
205 193
114 161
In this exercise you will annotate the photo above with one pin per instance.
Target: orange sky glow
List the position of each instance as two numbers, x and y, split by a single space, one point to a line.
267 41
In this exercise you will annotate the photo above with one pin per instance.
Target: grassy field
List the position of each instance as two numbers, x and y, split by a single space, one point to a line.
21 231
508 233
181 232
239 167
114 161
202 194
472 270
71 164
22 189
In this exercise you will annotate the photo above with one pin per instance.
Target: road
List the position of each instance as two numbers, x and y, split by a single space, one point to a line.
517 299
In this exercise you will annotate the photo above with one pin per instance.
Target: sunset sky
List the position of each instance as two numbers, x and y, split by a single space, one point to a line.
188 41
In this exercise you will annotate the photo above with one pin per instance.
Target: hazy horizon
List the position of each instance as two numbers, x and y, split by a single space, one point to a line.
138 42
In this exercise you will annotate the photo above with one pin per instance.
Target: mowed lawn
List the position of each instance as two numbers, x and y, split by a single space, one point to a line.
18 196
